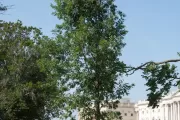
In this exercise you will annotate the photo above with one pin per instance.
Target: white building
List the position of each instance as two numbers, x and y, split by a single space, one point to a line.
169 109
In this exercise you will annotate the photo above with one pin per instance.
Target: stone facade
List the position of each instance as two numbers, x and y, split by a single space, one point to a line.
169 109
125 107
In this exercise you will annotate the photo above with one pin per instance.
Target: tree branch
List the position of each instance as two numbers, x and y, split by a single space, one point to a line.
141 67
167 61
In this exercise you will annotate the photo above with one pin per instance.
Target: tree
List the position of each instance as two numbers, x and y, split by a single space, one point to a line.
91 34
29 73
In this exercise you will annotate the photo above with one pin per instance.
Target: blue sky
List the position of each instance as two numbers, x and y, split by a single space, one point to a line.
153 25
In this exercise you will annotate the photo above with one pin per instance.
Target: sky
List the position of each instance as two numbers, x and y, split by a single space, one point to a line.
153 25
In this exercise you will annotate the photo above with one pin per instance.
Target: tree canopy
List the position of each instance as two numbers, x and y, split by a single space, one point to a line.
92 33
29 87
92 36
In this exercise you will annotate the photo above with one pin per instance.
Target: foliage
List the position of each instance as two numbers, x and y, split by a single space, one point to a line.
91 34
3 8
160 79
29 73
112 115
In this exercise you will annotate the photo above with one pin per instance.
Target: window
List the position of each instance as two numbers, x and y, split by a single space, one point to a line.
125 114
131 114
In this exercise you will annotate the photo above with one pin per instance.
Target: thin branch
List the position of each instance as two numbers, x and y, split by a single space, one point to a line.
141 67
167 61
177 78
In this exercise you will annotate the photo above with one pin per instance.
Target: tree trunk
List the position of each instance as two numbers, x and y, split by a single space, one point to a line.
98 112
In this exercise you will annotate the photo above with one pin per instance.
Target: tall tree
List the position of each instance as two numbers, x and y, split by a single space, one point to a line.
29 73
91 34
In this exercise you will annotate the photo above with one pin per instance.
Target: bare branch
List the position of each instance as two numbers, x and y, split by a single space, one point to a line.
167 61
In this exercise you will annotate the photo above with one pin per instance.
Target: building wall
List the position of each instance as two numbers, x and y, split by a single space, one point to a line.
127 111
169 109
125 107
146 113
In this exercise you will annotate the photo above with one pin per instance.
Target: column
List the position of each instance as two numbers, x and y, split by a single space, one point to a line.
137 115
166 112
178 110
162 112
150 114
171 111
174 106
175 111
